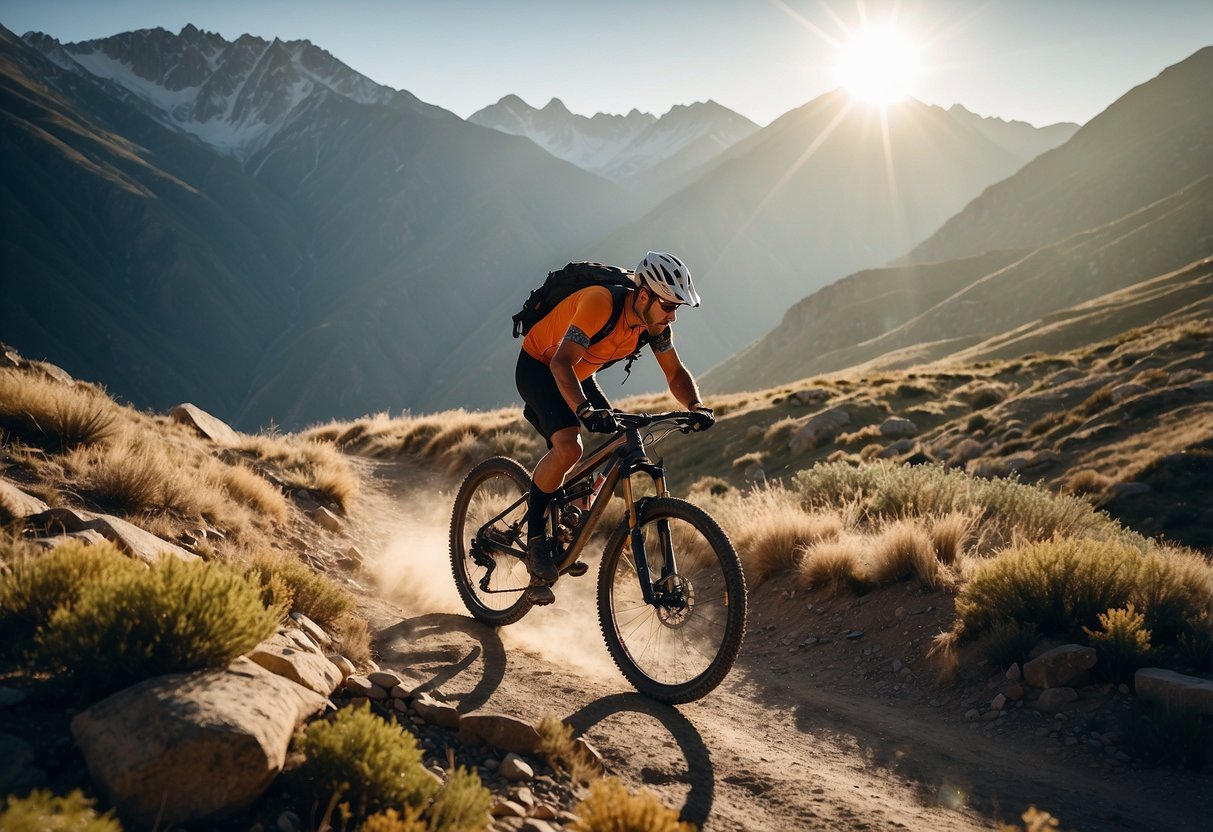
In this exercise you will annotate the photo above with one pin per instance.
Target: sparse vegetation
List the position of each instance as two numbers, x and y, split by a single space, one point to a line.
51 415
42 811
610 807
290 585
127 625
374 766
1122 641
558 747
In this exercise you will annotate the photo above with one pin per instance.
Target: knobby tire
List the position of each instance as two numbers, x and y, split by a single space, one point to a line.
655 649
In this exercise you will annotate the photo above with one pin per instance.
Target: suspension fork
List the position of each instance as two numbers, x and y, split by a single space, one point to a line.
636 533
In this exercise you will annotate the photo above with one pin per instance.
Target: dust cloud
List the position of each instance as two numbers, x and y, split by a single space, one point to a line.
413 570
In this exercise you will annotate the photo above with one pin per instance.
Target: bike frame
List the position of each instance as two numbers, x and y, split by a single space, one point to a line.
624 456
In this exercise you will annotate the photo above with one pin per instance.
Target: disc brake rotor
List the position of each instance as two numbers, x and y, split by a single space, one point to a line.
674 598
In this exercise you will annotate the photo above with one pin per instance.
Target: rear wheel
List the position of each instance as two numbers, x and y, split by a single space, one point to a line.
679 647
491 507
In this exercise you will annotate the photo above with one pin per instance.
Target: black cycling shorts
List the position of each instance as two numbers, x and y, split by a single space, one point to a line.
545 408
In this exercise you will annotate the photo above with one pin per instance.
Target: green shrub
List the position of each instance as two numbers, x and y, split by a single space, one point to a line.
370 763
1123 642
1058 585
389 820
610 807
1004 509
128 626
1156 734
292 585
461 805
35 585
42 811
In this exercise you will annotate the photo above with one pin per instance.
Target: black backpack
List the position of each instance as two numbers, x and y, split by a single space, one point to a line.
573 278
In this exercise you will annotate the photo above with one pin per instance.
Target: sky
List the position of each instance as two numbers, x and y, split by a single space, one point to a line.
1040 61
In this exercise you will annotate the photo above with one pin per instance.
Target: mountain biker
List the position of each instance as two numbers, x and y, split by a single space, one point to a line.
555 377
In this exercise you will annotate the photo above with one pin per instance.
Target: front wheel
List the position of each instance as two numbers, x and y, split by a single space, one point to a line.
681 645
488 541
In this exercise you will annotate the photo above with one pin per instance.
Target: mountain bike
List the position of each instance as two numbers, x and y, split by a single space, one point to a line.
671 593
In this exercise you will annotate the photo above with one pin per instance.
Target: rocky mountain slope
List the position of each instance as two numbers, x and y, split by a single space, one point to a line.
369 244
638 149
918 309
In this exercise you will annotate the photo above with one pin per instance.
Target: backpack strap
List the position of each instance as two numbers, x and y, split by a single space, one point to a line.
619 296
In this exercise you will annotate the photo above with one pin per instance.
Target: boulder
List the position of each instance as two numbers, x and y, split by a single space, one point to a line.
1059 666
1174 689
312 630
16 503
819 428
1128 391
126 536
499 731
811 395
897 448
192 747
279 654
207 426
896 427
17 771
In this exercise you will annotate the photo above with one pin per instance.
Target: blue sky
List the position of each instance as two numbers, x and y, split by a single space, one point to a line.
1039 61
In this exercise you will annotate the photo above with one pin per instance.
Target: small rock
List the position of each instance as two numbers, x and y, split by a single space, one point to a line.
288 821
999 702
854 634
897 665
343 664
515 768
1054 699
386 679
1014 673
972 714
326 519
507 809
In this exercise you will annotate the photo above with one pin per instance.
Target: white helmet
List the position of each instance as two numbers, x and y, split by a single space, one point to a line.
667 277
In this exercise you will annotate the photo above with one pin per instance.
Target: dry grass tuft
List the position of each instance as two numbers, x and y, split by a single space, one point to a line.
769 528
834 564
905 550
245 485
54 416
610 807
949 534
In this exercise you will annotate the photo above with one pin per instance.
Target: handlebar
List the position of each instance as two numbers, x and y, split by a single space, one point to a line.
643 420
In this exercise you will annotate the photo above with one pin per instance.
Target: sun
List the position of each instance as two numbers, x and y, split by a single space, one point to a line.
878 66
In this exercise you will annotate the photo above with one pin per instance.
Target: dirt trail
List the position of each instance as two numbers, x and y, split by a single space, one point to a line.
795 738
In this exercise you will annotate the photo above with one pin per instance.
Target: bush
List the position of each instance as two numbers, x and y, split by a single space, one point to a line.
1056 586
42 811
1004 509
610 807
1123 642
834 564
461 805
289 583
128 626
1011 643
35 585
368 762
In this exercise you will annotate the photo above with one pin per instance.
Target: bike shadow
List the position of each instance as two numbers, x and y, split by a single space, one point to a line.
700 772
404 645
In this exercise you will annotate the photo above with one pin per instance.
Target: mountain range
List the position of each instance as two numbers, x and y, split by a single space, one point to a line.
1127 199
256 226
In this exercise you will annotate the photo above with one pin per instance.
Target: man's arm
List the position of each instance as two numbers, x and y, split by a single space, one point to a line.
593 310
678 377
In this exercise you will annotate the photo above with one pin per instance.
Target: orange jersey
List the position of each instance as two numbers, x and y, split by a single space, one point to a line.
588 309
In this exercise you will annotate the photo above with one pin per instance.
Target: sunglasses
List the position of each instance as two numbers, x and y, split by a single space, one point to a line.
667 306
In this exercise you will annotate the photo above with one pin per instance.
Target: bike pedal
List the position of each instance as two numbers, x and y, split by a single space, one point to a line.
540 595
577 569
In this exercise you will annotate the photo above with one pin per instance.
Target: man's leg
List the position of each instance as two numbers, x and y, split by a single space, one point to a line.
547 479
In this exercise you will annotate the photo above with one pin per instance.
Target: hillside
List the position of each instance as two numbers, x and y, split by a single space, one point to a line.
920 309
351 238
